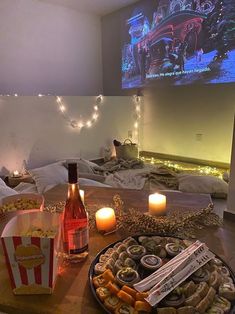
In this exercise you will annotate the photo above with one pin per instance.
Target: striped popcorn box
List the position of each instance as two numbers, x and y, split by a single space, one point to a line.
31 244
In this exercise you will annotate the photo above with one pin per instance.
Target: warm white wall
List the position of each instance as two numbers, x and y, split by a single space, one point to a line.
33 129
48 49
174 116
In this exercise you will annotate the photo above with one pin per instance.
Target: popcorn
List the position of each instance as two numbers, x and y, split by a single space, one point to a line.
38 232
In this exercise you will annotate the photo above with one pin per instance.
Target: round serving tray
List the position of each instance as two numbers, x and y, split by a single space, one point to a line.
91 273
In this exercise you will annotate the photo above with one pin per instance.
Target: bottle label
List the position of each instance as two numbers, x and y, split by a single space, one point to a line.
76 233
78 239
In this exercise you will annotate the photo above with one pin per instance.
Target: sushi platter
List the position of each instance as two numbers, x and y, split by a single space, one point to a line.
162 275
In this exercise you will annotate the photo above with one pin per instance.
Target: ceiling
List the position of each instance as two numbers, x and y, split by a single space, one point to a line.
100 7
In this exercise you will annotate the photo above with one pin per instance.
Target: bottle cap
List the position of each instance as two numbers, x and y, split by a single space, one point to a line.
72 172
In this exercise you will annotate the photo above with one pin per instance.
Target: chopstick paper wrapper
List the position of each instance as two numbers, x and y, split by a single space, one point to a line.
172 267
175 280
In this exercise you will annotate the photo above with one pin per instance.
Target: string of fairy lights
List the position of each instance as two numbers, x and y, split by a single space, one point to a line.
90 121
81 123
186 167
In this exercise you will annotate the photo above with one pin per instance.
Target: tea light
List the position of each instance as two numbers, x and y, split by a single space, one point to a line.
157 204
82 194
16 174
105 219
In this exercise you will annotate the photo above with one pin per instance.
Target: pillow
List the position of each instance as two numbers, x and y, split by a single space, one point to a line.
2 183
88 182
6 190
52 175
203 184
25 187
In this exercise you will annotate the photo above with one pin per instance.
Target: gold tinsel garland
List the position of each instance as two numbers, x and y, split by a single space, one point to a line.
183 223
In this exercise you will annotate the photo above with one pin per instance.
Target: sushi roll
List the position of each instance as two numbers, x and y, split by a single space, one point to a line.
175 299
121 248
143 306
100 268
136 251
193 300
103 293
224 271
129 262
222 303
112 302
201 275
124 308
202 289
215 279
173 249
127 276
130 241
151 262
126 297
227 290
123 256
189 288
103 258
119 264
206 302
114 256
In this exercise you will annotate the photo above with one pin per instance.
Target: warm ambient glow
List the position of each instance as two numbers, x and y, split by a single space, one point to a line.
16 173
205 170
157 204
105 219
82 194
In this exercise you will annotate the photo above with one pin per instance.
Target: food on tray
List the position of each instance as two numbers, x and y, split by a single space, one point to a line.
29 256
175 299
124 308
125 297
127 276
189 288
151 262
143 306
103 293
112 302
136 251
113 288
201 275
133 273
227 290
40 233
20 204
173 249
130 291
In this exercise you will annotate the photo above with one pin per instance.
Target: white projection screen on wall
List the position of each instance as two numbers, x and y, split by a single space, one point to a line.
178 42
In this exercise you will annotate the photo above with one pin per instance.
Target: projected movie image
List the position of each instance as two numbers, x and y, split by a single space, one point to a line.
179 42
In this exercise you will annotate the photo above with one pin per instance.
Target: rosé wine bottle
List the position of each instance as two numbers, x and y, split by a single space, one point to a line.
75 228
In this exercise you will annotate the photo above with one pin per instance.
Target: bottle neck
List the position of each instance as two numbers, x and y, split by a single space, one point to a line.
73 191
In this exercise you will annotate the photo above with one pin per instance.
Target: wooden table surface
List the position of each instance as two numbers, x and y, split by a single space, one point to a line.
72 293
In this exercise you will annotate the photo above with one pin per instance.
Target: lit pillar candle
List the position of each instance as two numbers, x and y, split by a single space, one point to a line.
157 204
82 194
105 219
